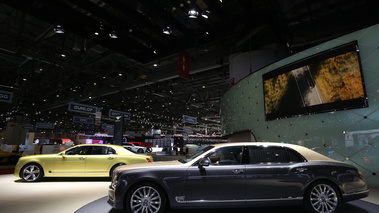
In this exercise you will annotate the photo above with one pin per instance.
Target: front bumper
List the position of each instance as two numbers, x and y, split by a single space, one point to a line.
115 201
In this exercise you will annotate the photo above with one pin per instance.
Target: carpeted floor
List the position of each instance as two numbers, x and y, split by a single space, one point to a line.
358 206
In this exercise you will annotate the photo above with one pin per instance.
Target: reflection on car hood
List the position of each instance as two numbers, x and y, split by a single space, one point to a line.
147 165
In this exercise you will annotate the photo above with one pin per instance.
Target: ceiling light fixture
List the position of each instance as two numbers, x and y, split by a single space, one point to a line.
192 13
113 34
167 30
205 14
59 29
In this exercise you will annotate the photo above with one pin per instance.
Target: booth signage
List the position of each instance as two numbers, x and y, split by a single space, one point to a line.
5 96
189 119
75 107
83 120
115 113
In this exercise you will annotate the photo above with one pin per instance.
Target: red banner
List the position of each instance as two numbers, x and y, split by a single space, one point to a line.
183 64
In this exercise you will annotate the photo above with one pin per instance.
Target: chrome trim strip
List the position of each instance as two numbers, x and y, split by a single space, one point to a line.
249 200
275 199
357 193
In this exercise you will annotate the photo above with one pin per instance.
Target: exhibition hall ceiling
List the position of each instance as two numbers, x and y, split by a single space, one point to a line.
123 55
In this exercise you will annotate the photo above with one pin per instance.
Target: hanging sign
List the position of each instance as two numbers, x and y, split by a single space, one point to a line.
107 126
6 96
115 113
83 120
189 119
183 64
75 107
45 126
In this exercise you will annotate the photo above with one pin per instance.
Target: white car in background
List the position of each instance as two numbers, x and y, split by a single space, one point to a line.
136 148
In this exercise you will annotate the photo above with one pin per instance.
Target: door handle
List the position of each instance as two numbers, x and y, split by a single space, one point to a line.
81 158
237 171
110 158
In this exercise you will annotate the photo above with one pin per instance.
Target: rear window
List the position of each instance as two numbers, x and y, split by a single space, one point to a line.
275 154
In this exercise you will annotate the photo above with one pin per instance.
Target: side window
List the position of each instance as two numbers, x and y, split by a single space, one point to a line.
263 155
102 150
81 150
98 150
295 157
227 156
110 151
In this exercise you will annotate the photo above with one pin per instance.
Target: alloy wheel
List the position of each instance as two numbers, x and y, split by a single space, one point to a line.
323 198
145 199
31 173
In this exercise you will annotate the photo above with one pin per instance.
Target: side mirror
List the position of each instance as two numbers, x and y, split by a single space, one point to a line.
204 162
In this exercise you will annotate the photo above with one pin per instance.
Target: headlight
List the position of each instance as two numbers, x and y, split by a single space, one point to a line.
114 181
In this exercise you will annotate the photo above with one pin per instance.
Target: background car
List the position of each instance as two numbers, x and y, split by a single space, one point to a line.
239 175
86 160
9 157
138 149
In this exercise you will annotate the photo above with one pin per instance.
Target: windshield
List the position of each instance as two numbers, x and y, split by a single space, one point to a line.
196 154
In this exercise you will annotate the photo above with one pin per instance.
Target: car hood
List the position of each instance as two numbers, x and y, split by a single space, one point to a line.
40 156
148 165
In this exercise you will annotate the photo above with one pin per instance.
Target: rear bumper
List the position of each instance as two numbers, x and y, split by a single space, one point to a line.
355 195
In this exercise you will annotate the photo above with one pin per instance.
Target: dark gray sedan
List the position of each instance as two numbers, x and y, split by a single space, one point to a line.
238 175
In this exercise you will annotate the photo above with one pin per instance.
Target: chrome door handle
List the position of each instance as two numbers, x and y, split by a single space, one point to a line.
237 171
81 158
110 158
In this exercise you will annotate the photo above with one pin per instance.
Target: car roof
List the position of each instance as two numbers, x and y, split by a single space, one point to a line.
309 154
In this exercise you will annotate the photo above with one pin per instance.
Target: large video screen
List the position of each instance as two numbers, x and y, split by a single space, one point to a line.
328 81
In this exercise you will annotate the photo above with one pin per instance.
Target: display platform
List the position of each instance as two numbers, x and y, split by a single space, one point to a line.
101 206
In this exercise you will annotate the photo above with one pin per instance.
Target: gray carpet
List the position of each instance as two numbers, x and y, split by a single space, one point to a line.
358 206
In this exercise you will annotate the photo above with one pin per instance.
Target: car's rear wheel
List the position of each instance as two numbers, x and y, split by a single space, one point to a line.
322 197
113 168
32 172
140 150
145 198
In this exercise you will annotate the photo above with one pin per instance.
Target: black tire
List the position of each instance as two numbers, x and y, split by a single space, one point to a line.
32 172
146 198
149 149
322 196
140 151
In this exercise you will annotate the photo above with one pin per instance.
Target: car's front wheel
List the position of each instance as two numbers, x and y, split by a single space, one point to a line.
145 198
32 172
322 197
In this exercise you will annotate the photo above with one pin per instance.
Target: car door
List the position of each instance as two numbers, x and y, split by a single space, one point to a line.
220 183
274 173
72 163
99 162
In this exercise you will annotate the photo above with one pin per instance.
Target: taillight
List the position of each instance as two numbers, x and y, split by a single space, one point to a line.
148 160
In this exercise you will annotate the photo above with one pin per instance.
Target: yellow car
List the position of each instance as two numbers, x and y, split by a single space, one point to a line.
9 157
87 160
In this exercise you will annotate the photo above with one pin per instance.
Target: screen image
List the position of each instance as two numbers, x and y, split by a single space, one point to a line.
328 81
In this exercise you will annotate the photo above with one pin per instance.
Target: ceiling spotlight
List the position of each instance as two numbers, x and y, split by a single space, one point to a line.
59 29
113 34
205 14
192 13
167 30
